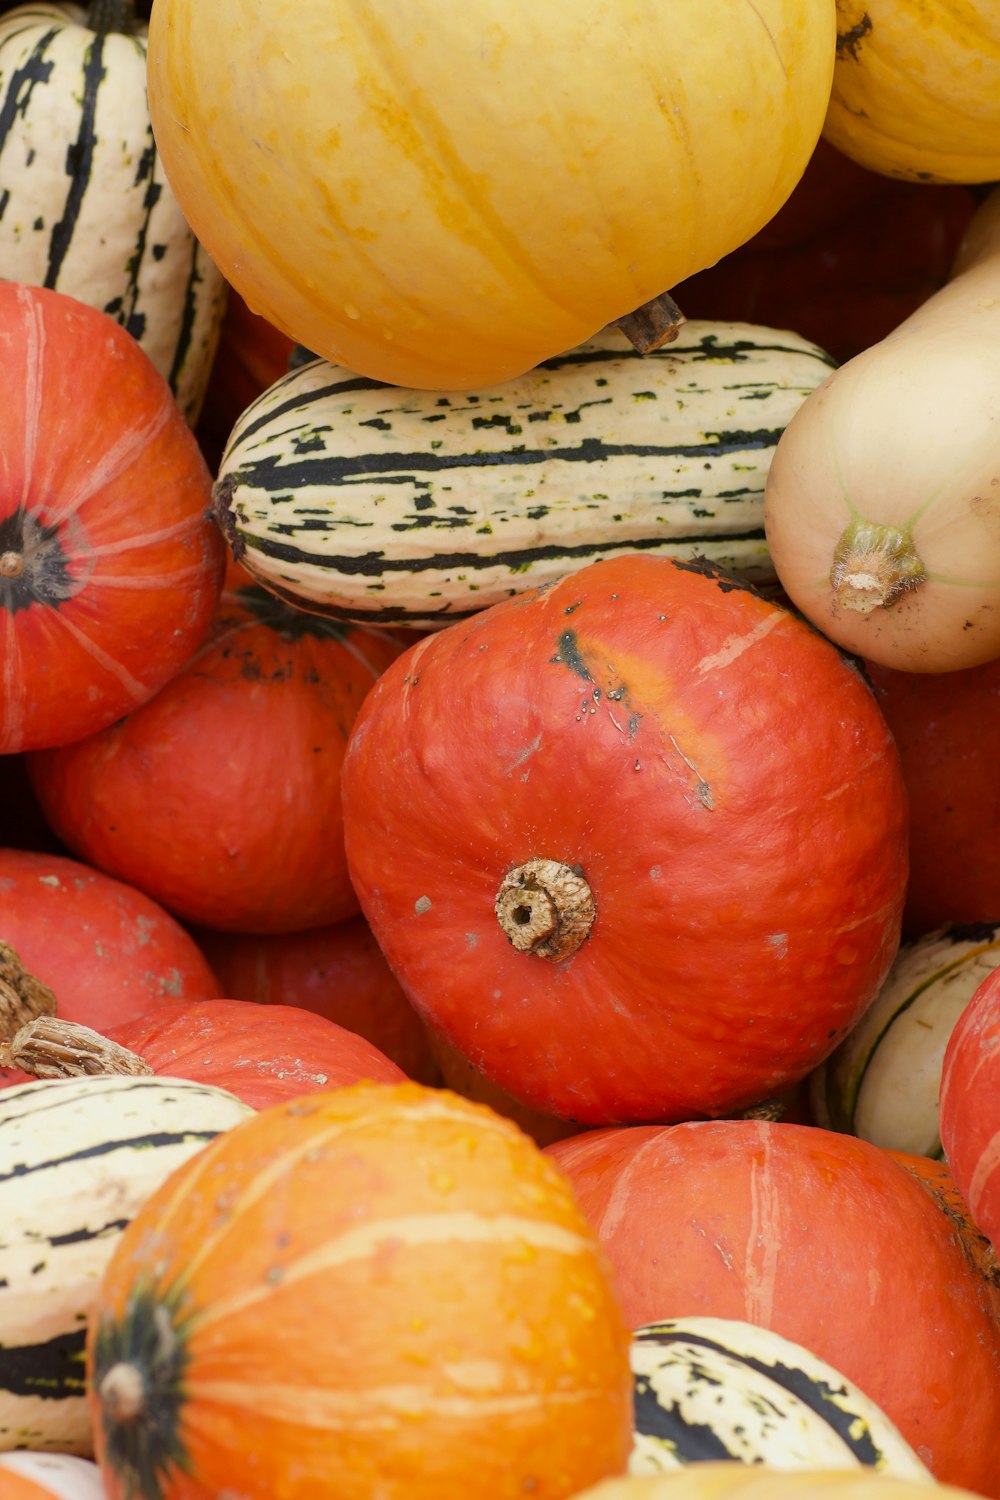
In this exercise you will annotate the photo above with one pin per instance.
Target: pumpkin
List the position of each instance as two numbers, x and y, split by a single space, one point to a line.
848 257
633 844
110 568
252 355
87 208
49 1476
106 950
729 1481
882 1081
79 1157
395 1288
337 971
440 202
878 534
970 1106
947 728
916 89
825 1239
718 1388
936 1179
256 845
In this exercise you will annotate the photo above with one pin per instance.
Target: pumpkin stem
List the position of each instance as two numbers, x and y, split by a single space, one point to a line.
545 908
874 566
652 325
104 16
11 564
122 1394
22 996
50 1048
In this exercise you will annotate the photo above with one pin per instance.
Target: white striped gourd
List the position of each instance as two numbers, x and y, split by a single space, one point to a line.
367 502
78 1158
85 207
882 1082
717 1389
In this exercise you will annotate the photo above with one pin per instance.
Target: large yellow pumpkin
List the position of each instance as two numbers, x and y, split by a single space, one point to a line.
916 88
442 195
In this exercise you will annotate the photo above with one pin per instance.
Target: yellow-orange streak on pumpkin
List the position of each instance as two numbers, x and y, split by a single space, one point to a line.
405 1232
375 1408
267 1177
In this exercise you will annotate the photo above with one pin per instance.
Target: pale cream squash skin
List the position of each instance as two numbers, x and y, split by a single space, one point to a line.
916 88
726 1481
442 195
905 436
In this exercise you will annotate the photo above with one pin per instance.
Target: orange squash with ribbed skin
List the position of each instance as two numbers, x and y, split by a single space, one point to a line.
105 949
110 566
337 971
262 1054
376 1291
690 812
822 1237
220 798
970 1106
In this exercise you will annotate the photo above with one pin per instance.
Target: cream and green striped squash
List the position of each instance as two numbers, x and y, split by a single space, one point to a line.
368 502
883 1080
716 1389
85 207
78 1158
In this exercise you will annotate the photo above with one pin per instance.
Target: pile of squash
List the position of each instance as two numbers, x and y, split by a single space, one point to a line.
499 682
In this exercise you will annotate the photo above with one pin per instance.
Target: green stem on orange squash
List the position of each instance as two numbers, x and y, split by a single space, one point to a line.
545 908
107 16
874 566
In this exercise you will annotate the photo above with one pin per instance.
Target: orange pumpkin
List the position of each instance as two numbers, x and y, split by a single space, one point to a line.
823 1238
107 951
970 1106
220 798
633 844
110 566
947 728
376 1291
262 1054
337 971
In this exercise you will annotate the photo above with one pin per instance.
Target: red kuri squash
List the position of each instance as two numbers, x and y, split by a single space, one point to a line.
634 844
947 728
110 566
970 1106
825 1239
220 798
107 951
372 1292
261 1053
337 971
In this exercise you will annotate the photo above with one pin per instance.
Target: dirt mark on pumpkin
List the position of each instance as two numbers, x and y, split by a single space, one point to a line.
849 42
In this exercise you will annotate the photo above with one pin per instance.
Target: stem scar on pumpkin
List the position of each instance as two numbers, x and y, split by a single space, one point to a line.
545 908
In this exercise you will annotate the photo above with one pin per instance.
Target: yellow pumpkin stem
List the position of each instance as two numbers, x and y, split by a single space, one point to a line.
874 566
545 908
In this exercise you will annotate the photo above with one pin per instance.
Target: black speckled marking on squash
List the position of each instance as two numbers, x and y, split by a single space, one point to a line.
849 42
815 1393
726 580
